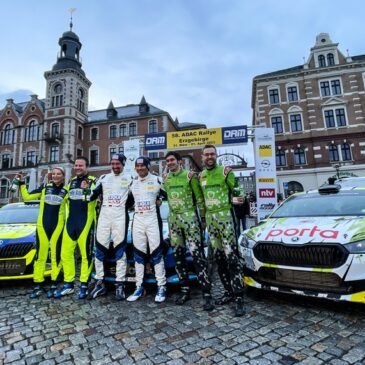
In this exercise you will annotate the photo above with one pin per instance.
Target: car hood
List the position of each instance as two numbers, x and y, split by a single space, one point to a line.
310 229
15 233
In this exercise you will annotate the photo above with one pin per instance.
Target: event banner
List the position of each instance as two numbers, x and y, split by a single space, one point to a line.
196 138
265 167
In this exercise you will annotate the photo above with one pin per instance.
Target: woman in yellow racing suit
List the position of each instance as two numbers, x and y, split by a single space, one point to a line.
50 223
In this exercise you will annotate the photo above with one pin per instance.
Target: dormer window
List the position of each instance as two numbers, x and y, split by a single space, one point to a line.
330 59
321 61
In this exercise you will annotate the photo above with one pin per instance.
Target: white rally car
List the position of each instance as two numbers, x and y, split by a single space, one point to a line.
313 244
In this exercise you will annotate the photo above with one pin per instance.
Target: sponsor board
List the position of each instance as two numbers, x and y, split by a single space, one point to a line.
155 141
234 135
265 150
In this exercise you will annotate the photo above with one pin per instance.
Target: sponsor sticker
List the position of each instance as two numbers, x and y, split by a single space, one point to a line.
266 180
265 150
267 193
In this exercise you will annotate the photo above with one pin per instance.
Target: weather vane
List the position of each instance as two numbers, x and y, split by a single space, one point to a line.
71 10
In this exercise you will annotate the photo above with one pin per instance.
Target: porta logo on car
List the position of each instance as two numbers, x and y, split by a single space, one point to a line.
300 232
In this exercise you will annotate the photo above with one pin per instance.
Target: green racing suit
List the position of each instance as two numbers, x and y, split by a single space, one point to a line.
217 185
184 197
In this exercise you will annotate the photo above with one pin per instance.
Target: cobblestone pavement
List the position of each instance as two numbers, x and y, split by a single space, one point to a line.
276 329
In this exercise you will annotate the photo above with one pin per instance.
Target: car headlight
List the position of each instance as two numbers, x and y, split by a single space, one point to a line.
245 241
356 247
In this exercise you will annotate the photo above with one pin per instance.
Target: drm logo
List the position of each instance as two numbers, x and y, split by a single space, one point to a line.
155 140
267 193
235 133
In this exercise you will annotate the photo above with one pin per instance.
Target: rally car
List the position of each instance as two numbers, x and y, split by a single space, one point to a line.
18 241
313 244
149 277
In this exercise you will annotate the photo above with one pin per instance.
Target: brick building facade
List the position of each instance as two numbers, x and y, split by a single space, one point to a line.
318 113
42 133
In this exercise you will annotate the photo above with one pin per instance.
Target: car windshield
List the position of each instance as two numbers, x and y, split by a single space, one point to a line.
344 203
19 214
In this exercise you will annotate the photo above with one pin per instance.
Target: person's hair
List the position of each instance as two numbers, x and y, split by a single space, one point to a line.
175 154
209 146
60 169
84 159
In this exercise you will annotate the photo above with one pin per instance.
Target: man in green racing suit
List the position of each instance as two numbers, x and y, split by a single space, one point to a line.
184 197
217 183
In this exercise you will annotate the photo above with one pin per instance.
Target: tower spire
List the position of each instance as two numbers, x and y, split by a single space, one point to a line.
71 10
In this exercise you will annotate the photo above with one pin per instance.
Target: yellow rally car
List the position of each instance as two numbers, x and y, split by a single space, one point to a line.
18 241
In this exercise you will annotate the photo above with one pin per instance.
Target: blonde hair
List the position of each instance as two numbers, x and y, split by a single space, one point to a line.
60 168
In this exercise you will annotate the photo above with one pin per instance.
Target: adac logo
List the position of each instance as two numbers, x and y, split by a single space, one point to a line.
265 150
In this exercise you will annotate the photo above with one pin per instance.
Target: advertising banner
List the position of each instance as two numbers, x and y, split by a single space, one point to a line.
131 152
265 166
155 141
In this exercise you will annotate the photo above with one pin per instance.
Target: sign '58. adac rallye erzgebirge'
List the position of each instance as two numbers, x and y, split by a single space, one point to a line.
313 244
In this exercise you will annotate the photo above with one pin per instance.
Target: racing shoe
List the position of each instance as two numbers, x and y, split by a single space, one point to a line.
37 291
52 289
239 310
183 296
139 292
98 290
119 291
225 298
83 291
209 303
68 288
161 294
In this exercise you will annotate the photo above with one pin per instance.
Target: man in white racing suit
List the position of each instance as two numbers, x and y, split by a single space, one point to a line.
112 225
147 228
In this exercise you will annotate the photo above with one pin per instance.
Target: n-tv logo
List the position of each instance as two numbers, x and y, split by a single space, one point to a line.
234 134
155 141
267 193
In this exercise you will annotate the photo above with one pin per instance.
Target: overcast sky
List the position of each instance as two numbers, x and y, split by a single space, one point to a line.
193 58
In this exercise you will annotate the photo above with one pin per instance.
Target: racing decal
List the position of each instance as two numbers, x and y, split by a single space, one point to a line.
76 194
314 232
143 206
53 199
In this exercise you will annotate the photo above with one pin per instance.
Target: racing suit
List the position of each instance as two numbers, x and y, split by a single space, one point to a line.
50 223
184 196
147 227
112 222
79 228
217 184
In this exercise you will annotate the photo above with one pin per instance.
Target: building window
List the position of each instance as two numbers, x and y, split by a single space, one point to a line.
94 157
333 153
31 133
31 159
79 132
321 61
81 100
292 93
299 156
152 126
335 117
123 131
57 97
274 96
332 87
54 153
79 152
296 123
280 158
112 151
94 134
346 152
8 134
121 149
4 188
330 59
132 129
277 124
6 161
113 131
153 154
55 130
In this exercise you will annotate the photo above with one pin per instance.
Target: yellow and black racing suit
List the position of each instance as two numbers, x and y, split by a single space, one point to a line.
79 228
50 223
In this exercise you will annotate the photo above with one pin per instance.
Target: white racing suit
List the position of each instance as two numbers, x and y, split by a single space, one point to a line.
147 227
112 223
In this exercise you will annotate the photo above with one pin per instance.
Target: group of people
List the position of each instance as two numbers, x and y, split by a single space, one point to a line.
196 202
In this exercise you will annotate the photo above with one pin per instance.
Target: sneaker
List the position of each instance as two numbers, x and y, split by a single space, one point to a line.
139 292
119 291
239 310
83 291
225 298
161 294
37 291
98 291
209 304
183 296
52 289
68 288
